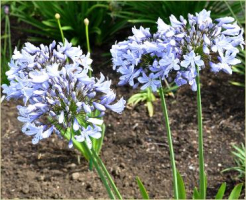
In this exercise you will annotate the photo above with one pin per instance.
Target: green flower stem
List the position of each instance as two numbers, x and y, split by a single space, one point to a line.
60 28
81 147
107 174
9 33
87 37
202 188
100 172
6 33
87 40
169 135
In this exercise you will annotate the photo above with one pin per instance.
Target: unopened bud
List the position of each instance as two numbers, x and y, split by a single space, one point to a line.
57 16
6 9
86 21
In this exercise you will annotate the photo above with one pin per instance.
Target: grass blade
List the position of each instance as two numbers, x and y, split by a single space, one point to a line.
142 189
181 187
196 194
221 191
236 191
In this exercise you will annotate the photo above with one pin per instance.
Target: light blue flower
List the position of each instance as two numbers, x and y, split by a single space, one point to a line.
118 106
128 75
192 60
86 133
149 82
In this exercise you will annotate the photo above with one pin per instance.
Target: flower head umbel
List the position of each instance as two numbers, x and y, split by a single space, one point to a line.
178 48
202 43
57 92
130 57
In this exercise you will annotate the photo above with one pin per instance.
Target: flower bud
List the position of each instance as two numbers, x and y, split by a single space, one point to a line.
86 21
57 16
6 10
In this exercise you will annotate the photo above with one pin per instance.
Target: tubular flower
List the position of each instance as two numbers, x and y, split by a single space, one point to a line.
57 92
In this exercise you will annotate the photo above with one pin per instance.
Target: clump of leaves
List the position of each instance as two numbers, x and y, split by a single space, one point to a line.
44 28
148 97
239 158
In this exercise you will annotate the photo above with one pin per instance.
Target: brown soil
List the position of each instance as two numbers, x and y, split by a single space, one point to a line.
134 145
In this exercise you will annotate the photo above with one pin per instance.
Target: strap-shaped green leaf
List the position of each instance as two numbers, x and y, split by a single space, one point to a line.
181 187
221 191
206 183
142 189
150 108
196 194
65 28
235 193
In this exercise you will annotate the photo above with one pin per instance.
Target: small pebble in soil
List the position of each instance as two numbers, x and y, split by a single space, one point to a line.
41 178
25 189
219 165
72 165
75 176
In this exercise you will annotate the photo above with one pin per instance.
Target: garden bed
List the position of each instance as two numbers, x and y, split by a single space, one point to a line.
134 145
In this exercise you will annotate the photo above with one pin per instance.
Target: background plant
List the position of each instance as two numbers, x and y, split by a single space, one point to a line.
240 159
146 13
148 97
6 47
40 15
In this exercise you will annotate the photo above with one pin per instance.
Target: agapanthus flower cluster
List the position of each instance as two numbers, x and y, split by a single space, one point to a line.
57 92
180 48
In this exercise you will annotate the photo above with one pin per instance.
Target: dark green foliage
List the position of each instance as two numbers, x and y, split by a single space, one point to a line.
147 13
41 16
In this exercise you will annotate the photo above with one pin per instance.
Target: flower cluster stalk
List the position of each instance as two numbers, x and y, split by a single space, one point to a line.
57 16
7 32
83 147
202 188
99 171
169 135
107 174
86 21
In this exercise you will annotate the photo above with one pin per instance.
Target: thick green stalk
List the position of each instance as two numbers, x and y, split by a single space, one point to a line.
169 136
80 147
202 188
107 174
